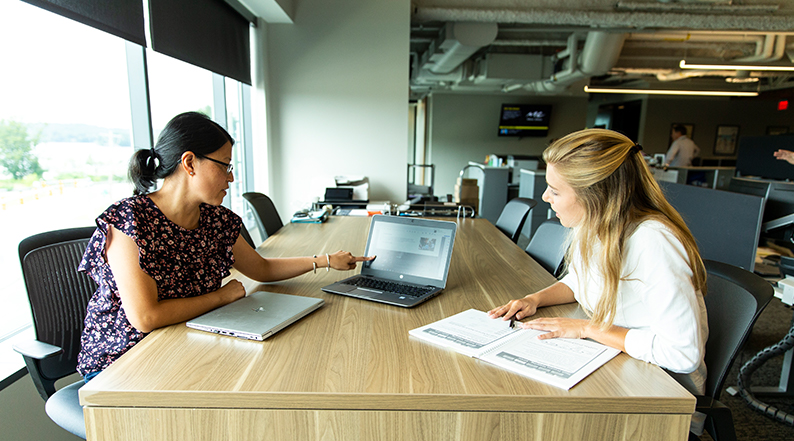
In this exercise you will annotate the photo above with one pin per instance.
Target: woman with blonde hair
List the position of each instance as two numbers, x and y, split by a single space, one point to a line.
633 264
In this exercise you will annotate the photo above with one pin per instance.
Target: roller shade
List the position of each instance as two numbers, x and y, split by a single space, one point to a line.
122 18
207 33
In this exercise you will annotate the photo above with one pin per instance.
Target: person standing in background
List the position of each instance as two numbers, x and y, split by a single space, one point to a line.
682 150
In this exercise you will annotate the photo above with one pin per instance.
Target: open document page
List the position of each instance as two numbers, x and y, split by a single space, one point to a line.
560 362
469 332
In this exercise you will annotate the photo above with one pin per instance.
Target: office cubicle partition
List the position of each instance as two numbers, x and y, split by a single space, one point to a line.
726 225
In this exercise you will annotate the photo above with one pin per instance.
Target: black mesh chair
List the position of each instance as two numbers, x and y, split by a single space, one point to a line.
734 301
549 244
513 216
267 216
58 296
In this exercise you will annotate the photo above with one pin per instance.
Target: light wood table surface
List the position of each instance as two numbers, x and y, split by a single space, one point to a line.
349 371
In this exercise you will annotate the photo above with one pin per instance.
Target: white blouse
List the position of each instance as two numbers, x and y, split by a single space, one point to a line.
656 300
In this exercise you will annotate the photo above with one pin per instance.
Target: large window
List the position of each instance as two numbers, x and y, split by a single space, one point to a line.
64 140
176 87
65 135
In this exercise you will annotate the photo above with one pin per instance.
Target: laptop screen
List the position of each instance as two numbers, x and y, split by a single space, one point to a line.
409 249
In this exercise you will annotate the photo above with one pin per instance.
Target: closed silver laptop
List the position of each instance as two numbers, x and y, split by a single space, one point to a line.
257 316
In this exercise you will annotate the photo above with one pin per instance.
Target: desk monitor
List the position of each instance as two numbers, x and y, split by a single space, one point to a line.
756 157
726 225
779 196
749 186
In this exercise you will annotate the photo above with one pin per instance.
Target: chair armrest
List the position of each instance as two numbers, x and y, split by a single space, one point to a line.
37 349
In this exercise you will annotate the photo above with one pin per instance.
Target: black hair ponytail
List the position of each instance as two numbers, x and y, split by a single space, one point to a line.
191 131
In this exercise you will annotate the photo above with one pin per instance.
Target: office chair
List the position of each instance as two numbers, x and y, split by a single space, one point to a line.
268 220
549 245
247 236
513 216
734 301
58 297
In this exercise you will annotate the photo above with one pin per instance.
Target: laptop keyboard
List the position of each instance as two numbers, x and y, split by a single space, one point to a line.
397 288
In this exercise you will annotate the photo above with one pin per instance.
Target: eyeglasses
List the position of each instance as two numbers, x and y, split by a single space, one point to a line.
229 167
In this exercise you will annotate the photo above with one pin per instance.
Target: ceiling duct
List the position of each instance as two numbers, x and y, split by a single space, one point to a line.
600 53
457 42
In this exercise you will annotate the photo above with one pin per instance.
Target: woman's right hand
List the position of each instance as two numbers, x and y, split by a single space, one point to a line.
520 308
230 292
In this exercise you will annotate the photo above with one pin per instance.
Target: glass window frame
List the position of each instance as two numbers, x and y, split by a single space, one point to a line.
142 137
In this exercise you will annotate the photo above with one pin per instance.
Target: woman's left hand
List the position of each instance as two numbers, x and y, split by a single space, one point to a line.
345 261
559 327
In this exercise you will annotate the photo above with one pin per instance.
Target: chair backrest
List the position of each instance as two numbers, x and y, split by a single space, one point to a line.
513 216
734 300
247 236
549 244
58 294
269 220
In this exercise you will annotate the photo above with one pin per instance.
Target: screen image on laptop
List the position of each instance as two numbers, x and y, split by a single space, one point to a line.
409 249
411 264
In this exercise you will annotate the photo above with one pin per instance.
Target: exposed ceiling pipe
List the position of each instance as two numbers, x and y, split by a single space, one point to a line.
458 42
711 37
600 53
529 43
773 49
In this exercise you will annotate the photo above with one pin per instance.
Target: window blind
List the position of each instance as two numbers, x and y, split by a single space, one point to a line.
122 18
207 33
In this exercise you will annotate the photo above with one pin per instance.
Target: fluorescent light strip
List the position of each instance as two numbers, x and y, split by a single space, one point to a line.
669 92
683 65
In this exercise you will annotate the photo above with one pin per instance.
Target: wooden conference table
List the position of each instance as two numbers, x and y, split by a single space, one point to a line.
349 371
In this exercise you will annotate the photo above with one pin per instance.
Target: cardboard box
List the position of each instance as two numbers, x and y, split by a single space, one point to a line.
466 192
465 181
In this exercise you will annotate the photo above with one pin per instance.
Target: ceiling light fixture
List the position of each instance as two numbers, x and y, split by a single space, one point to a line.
684 65
589 89
742 80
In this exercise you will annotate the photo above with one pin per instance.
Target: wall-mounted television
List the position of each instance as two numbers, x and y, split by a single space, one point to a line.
524 120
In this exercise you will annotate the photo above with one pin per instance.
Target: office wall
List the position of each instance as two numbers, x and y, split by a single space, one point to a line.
463 128
22 416
338 99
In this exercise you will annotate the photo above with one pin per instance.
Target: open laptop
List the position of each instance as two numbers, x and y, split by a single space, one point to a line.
257 316
411 264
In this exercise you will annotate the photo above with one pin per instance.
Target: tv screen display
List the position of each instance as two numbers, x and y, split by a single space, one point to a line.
524 120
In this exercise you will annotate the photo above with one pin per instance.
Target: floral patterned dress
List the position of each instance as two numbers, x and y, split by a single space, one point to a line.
183 263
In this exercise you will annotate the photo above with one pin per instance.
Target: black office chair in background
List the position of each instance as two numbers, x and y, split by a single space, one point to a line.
734 300
267 216
58 296
513 216
549 244
247 236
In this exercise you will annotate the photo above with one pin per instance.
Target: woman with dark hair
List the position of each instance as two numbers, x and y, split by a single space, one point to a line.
160 257
633 264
